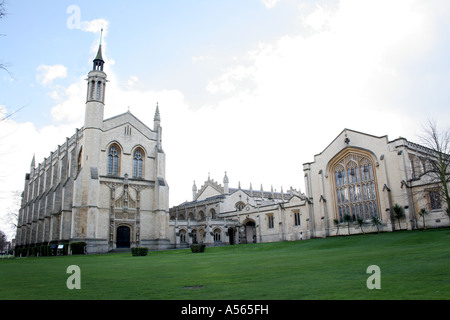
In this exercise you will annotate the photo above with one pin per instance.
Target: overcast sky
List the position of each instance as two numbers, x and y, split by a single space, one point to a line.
252 87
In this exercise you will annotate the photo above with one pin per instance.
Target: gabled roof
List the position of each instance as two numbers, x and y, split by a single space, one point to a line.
128 117
345 131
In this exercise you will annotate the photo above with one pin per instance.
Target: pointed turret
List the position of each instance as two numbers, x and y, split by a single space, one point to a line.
33 163
98 61
156 118
96 90
157 128
194 192
225 184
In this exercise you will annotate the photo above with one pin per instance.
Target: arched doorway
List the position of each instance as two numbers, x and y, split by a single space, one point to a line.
123 237
231 236
250 232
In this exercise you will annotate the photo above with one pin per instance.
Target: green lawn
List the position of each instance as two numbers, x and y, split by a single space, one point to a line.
414 265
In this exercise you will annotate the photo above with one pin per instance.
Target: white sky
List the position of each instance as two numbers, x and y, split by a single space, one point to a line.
254 88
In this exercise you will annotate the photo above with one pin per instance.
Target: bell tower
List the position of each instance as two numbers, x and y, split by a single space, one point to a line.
86 215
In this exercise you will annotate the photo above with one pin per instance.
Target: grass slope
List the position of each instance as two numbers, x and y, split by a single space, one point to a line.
414 265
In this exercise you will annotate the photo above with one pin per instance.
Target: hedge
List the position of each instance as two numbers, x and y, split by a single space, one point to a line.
198 247
41 251
140 251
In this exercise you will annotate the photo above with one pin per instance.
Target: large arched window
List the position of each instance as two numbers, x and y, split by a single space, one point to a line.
113 159
138 163
355 187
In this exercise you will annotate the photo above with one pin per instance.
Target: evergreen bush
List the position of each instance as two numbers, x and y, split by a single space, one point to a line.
198 247
140 251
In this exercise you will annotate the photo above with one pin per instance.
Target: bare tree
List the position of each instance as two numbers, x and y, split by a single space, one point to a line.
9 216
438 141
3 240
2 15
2 9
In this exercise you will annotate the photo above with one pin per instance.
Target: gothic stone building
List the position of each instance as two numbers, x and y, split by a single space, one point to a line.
364 176
220 215
357 177
105 185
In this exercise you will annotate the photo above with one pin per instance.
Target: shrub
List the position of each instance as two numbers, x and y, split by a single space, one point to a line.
77 247
139 251
198 247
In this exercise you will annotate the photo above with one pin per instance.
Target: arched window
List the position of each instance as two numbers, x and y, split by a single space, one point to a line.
182 235
113 160
239 206
213 214
217 234
138 161
97 90
80 156
355 187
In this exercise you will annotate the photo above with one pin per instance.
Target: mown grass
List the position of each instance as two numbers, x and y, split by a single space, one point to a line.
414 265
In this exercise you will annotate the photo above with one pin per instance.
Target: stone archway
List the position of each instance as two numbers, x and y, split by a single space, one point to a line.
249 235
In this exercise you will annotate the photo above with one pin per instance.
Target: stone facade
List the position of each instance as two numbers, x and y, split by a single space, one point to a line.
358 177
366 176
105 185
222 215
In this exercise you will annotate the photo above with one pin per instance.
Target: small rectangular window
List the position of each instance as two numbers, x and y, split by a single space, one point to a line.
297 218
270 218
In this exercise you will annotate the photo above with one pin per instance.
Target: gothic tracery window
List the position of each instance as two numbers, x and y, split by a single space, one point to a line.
434 199
355 188
217 235
182 235
113 160
138 161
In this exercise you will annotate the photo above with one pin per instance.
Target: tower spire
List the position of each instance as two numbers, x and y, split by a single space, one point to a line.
157 114
98 61
95 98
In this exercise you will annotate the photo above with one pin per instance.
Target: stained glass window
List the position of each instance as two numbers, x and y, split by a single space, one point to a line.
355 188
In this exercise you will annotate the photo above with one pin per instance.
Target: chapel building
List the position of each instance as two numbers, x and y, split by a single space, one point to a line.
106 185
